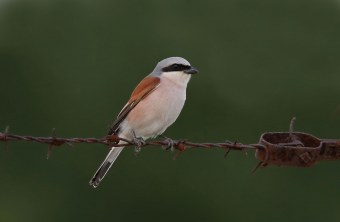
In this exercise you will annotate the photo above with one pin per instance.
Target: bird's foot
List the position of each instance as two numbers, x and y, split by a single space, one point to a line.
169 143
139 142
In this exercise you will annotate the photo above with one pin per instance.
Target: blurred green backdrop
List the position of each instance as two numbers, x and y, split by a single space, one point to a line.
72 64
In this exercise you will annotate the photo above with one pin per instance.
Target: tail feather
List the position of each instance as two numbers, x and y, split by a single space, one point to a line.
106 165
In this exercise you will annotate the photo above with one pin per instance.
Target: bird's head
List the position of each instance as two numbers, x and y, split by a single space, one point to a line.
174 68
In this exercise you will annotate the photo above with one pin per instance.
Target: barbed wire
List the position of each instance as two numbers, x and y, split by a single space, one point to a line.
290 148
113 140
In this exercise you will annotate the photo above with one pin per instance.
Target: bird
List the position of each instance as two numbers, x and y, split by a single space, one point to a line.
153 106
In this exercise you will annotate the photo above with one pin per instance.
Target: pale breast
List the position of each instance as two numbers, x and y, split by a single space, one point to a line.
153 115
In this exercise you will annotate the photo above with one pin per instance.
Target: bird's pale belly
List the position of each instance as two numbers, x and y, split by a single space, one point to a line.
152 116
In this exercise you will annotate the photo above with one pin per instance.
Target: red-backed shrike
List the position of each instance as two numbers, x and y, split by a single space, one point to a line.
153 106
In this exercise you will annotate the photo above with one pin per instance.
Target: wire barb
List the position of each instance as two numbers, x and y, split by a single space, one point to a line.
291 125
226 152
50 146
181 147
257 167
4 136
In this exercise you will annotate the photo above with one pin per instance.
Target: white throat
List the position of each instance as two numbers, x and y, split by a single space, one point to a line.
179 78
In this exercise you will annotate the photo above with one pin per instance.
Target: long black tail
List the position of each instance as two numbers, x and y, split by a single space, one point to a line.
106 165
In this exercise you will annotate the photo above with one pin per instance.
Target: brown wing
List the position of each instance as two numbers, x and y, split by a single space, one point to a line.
143 89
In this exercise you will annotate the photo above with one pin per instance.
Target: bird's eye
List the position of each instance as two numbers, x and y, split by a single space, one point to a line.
174 68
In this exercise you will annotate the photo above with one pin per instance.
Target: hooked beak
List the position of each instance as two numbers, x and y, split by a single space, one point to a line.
192 70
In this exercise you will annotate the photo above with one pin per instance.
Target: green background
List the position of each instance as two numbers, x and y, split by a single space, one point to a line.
71 64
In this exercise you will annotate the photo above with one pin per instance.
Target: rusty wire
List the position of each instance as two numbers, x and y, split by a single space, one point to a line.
297 149
166 143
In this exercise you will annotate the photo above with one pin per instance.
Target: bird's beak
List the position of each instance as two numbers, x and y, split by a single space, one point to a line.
192 70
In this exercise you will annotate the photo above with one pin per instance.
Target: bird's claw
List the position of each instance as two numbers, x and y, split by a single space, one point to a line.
169 143
139 143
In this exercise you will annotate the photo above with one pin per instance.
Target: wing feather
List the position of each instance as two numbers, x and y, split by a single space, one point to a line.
143 89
